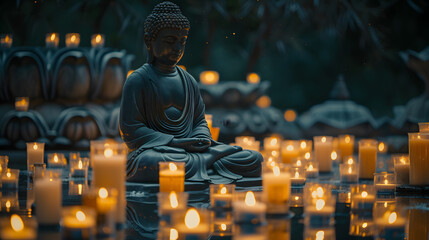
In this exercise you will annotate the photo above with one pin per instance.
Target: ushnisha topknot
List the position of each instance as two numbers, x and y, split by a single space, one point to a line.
164 15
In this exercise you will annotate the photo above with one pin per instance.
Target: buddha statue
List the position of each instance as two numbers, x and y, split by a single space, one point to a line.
162 114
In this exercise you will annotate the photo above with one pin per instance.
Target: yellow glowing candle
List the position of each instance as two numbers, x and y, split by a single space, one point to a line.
346 145
253 78
367 158
52 40
171 176
290 150
17 229
419 155
97 40
72 39
209 77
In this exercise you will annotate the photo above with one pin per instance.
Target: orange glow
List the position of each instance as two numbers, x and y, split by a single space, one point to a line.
364 194
129 73
223 190
250 199
108 152
307 155
35 146
263 102
253 78
173 200
222 227
80 216
102 193
320 203
209 77
192 218
334 155
16 223
323 139
276 170
53 36
174 234
290 115
350 161
392 217
172 167
182 67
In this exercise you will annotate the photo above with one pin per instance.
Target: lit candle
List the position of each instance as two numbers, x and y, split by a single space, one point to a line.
56 160
22 103
253 78
171 176
35 154
248 208
391 222
346 145
78 223
214 131
402 168
312 170
16 228
38 171
320 212
9 201
195 224
78 186
299 162
221 195
289 150
109 172
79 167
72 39
318 233
9 179
363 197
419 155
385 183
348 173
322 152
209 77
6 40
272 143
48 198
97 40
305 146
52 40
276 187
170 203
367 158
297 176
382 147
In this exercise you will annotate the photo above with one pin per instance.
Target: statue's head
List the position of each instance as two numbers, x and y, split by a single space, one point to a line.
166 31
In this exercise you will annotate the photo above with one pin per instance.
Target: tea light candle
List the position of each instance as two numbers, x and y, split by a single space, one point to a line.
171 176
276 187
272 143
221 195
346 145
48 198
195 224
6 40
305 146
289 150
391 222
18 228
367 158
419 155
348 173
312 170
78 222
222 228
72 39
297 176
78 187
209 77
97 40
79 167
10 178
56 160
171 203
21 103
109 165
385 183
52 40
402 168
35 154
363 197
322 152
248 208
299 162
320 213
9 201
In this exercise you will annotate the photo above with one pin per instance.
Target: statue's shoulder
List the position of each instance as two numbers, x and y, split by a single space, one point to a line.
139 78
188 75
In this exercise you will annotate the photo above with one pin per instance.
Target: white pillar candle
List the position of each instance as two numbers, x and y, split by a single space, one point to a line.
109 172
289 150
35 154
367 158
385 183
276 187
419 155
322 152
48 198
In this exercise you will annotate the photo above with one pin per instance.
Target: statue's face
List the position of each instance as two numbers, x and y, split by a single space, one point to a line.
169 46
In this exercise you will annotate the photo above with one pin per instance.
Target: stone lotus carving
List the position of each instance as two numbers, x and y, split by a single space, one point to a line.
74 94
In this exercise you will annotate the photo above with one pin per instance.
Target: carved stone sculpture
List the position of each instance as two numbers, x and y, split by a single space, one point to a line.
162 112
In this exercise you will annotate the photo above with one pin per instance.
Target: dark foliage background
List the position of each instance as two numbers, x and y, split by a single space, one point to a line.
301 47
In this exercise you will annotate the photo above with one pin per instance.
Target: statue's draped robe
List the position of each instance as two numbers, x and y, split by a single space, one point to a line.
147 131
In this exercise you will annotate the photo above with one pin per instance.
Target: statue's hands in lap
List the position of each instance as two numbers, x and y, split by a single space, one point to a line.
191 144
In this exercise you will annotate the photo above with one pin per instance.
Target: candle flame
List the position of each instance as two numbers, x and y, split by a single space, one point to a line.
310 167
223 227
323 139
6 38
364 194
298 162
98 38
320 203
173 199
289 147
192 218
364 225
320 235
274 153
350 161
8 204
102 193
53 36
403 160
35 146
250 199
385 181
347 139
79 189
392 217
303 144
385 204
8 174
276 170
296 198
334 155
349 195
73 38
80 165
253 78
273 141
381 147
108 152
350 170
314 194
320 192
307 155
16 223
174 234
172 167
80 216
296 174
223 190
55 158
